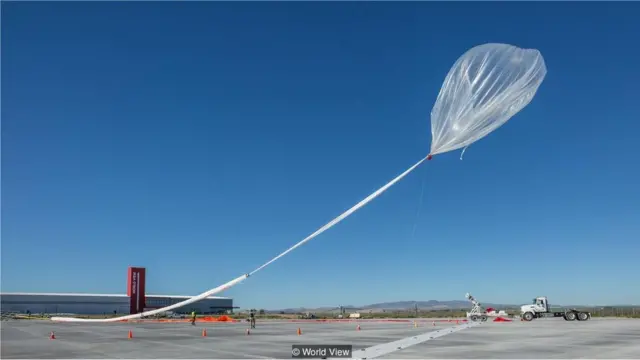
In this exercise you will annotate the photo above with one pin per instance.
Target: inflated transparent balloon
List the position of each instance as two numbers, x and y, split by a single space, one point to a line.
485 87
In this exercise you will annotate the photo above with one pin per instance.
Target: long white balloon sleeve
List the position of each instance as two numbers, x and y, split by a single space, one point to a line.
342 216
240 278
486 86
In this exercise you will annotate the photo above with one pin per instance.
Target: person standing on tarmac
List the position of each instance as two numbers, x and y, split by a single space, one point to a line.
252 316
193 318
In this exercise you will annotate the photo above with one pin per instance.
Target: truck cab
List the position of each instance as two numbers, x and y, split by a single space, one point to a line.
539 305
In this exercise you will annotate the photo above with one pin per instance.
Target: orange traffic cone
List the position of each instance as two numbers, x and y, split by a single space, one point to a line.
52 336
299 331
130 336
434 323
248 332
204 332
358 328
457 322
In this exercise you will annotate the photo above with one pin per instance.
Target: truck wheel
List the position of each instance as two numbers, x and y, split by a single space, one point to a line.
570 316
483 318
528 316
474 318
583 316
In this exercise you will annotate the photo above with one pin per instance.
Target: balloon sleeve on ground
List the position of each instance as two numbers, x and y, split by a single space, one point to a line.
202 296
239 279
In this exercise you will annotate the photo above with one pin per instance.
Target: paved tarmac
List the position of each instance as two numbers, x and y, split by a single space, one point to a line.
543 338
539 339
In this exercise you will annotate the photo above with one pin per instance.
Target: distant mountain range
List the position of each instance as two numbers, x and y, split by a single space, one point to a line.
396 305
410 305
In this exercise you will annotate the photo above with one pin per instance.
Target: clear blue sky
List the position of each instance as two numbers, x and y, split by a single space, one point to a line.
200 139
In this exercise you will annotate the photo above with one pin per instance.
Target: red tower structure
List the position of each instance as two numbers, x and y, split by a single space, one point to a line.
135 289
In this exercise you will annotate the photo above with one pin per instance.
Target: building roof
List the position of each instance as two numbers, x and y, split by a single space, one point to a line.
106 295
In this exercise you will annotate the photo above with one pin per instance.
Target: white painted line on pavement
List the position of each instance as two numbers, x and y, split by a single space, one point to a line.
391 347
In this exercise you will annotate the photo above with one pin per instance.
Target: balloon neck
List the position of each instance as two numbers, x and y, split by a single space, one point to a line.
429 157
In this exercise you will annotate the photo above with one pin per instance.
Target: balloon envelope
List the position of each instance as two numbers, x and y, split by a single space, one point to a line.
485 87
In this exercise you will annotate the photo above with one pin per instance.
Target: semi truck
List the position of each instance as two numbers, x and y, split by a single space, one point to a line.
540 309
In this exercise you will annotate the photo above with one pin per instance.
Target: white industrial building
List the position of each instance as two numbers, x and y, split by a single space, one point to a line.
95 304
